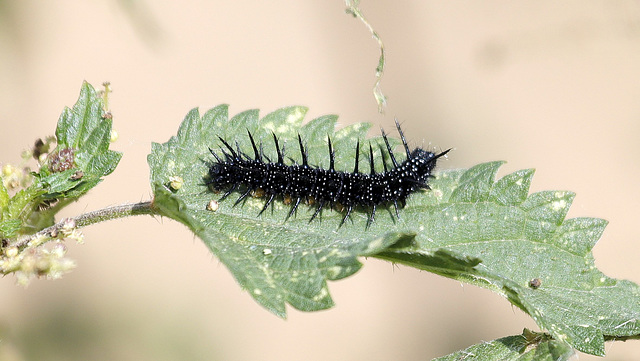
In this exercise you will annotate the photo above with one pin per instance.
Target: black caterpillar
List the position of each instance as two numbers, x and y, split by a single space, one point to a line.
297 182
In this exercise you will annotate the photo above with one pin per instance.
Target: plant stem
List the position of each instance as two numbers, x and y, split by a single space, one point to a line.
621 338
354 9
86 219
121 211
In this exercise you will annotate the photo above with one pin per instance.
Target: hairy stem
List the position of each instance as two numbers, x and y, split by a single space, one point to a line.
86 219
105 214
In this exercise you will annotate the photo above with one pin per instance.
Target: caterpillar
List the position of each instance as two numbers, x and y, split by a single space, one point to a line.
235 170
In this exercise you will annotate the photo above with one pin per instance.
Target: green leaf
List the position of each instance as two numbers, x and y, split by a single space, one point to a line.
469 227
22 203
76 125
529 346
9 228
517 238
4 197
278 262
83 136
17 210
80 160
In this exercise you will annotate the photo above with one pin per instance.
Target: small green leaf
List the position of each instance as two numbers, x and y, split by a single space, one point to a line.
21 204
9 228
80 160
529 346
4 197
76 125
83 136
18 210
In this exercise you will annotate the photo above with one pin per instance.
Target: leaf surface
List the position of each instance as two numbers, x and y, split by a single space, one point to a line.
470 227
278 262
83 135
529 346
527 251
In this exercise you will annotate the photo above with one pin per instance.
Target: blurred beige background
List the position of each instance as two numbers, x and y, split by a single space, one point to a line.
541 84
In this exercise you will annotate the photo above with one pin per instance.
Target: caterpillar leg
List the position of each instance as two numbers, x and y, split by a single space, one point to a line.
317 211
395 206
293 209
243 196
372 216
349 209
226 194
266 205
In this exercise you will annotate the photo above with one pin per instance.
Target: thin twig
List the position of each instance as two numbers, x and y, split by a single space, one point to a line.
86 219
354 9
